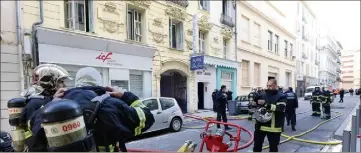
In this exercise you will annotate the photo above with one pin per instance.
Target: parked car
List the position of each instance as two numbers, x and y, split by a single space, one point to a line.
242 103
5 142
167 113
308 92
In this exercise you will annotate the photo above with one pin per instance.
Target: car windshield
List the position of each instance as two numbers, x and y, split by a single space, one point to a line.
309 89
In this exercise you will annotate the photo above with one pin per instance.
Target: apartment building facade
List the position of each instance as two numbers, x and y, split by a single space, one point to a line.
350 67
265 48
217 48
12 82
330 62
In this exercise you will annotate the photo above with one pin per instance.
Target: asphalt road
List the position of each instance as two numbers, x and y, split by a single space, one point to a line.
167 141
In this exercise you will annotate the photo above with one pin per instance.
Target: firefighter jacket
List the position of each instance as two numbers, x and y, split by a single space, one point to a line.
221 99
325 97
292 100
116 120
275 102
316 96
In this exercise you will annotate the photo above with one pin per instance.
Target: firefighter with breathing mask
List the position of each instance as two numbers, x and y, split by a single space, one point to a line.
326 100
315 102
252 105
108 117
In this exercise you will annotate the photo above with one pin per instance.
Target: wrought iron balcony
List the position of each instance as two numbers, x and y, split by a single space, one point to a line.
338 61
304 56
227 20
338 79
338 70
317 62
183 3
339 52
304 38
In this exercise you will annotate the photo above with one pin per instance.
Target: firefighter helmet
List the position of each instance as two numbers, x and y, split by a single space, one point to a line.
262 115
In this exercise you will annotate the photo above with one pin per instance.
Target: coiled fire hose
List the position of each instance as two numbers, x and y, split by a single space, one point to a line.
289 138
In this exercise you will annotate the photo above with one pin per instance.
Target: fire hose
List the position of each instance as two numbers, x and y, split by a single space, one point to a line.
289 138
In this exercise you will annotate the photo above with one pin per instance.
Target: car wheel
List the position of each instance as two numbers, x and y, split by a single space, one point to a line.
175 124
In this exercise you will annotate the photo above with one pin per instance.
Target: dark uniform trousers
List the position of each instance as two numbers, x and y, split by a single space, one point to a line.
291 116
251 108
221 115
273 139
327 104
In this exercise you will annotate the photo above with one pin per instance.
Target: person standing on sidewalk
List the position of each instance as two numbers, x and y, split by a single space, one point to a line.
351 92
214 93
342 93
221 99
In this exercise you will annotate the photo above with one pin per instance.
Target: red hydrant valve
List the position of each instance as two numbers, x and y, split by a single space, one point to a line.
358 136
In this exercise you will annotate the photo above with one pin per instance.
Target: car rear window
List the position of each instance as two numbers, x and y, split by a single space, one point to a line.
166 103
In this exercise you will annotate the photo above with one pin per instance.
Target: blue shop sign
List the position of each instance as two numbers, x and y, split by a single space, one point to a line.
197 62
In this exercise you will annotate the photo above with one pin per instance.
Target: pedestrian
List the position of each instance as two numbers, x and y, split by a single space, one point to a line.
292 105
251 105
273 102
215 105
221 99
118 116
315 102
351 92
342 93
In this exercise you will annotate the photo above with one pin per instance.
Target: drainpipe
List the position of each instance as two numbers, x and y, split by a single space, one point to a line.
34 50
19 43
235 30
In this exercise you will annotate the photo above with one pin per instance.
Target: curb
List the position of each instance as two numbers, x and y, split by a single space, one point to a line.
339 132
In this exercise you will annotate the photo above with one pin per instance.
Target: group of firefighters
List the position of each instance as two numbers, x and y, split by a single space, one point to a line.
86 118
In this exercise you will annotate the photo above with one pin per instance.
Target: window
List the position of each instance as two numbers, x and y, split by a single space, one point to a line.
245 28
224 48
152 104
291 50
276 44
166 103
123 84
257 34
176 34
79 17
286 48
303 31
226 76
134 25
270 40
202 42
136 82
227 15
288 79
205 4
226 79
245 73
257 74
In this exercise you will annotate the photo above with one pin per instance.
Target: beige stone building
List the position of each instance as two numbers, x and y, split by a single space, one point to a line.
265 48
350 76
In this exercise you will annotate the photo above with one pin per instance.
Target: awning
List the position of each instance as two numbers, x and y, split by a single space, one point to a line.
89 42
219 62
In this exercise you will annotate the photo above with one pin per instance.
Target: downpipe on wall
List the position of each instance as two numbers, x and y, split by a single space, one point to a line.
35 53
235 31
19 45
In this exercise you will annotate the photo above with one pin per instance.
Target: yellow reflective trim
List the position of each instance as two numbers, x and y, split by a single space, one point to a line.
102 148
269 129
273 120
137 103
141 115
273 107
280 103
27 134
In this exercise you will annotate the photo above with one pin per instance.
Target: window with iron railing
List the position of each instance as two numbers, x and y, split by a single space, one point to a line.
183 3
227 13
79 15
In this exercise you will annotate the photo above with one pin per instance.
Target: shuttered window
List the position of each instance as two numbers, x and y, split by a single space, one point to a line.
226 79
257 74
245 73
136 82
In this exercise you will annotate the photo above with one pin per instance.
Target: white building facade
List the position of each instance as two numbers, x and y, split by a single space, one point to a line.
350 76
330 63
265 47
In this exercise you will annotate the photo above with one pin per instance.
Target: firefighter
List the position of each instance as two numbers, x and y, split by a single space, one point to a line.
326 103
111 116
270 118
251 105
292 105
315 101
47 79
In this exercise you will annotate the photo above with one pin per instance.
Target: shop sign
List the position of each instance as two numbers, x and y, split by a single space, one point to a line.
106 57
197 63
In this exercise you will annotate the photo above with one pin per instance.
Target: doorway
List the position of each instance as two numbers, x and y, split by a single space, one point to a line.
271 77
174 84
200 95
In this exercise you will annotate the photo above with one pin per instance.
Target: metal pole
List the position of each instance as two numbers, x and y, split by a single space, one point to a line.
346 141
353 133
358 121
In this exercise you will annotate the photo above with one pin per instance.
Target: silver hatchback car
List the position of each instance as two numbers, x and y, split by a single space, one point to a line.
167 113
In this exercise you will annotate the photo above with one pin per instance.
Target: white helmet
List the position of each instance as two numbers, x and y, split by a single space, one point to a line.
47 76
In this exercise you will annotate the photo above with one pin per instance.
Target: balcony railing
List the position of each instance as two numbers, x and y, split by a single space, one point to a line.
227 20
338 61
317 62
339 52
304 56
338 70
183 3
304 38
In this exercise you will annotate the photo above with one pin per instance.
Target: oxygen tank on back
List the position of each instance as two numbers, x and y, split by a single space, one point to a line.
15 107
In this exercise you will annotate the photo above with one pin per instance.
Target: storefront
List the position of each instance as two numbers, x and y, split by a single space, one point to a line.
212 73
121 64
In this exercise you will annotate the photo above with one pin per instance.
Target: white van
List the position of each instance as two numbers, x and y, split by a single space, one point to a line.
308 92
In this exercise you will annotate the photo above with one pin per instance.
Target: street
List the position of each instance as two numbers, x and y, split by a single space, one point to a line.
172 141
